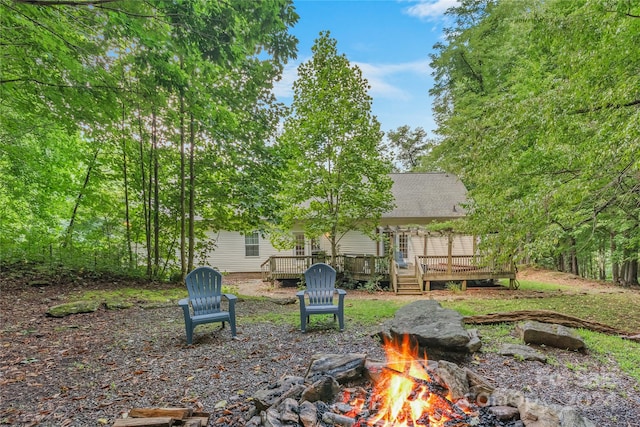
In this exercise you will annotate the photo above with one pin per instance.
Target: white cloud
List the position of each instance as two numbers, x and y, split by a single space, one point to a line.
379 76
430 9
284 87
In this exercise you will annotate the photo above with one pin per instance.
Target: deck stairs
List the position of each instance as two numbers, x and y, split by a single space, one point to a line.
408 285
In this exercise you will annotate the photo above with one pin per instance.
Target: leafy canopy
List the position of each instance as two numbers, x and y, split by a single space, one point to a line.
336 175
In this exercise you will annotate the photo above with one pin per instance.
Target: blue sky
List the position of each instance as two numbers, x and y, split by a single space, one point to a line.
390 40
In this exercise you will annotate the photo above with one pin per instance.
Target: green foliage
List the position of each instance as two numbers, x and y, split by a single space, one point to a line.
121 124
624 352
537 106
454 287
411 145
336 173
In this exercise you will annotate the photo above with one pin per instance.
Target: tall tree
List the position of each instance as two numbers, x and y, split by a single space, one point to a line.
535 105
336 176
124 79
411 145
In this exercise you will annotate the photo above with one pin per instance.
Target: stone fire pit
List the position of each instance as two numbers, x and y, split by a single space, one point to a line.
351 390
318 398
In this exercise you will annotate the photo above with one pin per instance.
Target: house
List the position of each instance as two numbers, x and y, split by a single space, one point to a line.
420 198
423 257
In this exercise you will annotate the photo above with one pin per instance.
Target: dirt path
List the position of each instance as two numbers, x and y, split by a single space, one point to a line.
252 285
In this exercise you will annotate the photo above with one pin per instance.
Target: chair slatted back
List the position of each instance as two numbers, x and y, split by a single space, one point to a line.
205 290
320 279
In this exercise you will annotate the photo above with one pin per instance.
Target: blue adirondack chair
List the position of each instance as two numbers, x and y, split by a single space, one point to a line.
204 302
400 260
318 298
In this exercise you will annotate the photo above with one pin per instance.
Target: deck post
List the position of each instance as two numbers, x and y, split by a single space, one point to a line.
450 253
464 285
427 285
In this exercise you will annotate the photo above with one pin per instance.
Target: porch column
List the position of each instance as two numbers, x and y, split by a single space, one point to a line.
450 253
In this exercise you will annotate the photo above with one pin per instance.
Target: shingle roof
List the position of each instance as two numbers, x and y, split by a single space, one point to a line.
427 195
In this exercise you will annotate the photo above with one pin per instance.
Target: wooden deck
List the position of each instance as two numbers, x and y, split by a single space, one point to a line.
462 268
358 267
417 278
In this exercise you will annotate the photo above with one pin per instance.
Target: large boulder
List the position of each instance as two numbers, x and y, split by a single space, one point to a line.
437 330
550 335
75 307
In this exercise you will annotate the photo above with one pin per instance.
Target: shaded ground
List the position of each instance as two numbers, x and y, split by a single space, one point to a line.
88 369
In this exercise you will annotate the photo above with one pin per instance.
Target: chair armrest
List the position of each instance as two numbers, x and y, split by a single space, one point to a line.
232 301
184 303
341 295
300 295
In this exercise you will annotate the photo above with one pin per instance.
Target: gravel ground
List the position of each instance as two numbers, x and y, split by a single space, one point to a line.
88 369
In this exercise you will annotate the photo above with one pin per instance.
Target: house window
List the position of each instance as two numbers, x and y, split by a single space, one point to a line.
299 249
252 244
403 246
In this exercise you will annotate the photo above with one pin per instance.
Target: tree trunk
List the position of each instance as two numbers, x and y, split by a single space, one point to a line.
602 257
573 258
127 220
156 195
69 233
631 272
146 200
183 230
334 249
615 268
192 188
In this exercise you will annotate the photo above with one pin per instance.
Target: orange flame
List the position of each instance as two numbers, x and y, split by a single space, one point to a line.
404 396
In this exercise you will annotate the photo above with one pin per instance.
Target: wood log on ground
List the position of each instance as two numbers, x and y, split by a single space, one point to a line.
546 316
177 413
144 422
197 419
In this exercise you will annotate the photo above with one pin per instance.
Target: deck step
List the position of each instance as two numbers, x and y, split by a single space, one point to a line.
409 285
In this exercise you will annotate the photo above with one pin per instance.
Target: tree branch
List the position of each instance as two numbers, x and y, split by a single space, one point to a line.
58 85
64 2
607 107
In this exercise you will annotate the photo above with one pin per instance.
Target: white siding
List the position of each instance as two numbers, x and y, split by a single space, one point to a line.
462 245
439 245
416 247
354 243
229 254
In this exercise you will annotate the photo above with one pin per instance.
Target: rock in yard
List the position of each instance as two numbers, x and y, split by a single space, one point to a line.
522 352
550 334
434 328
76 307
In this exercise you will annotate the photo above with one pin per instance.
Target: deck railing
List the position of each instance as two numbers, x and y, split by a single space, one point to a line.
359 267
285 267
461 264
365 267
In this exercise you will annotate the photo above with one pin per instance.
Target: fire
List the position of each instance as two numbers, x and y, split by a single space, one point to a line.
406 394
